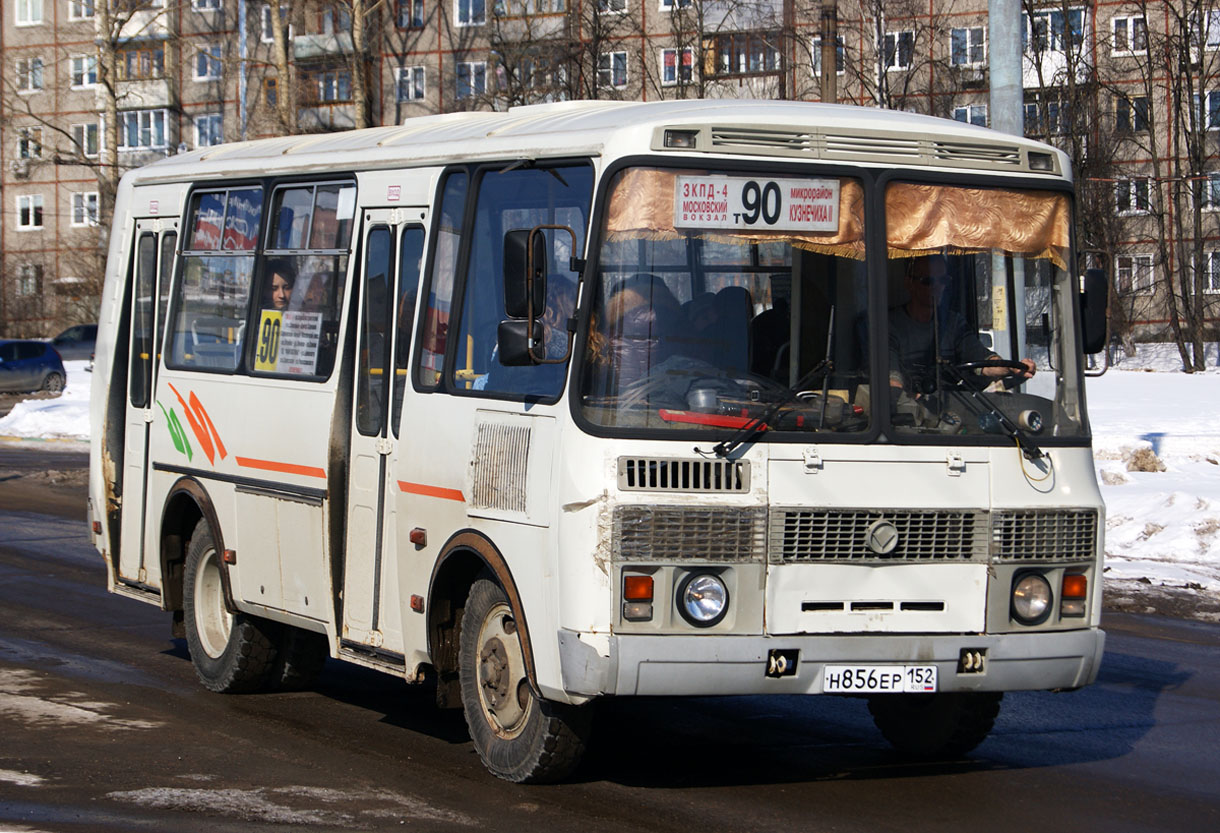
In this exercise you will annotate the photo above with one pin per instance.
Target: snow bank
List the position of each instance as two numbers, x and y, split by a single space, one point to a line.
64 417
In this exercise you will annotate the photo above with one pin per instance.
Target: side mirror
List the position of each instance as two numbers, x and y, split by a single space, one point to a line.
524 272
512 339
1094 299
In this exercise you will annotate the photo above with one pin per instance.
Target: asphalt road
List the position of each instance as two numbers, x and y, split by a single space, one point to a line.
104 727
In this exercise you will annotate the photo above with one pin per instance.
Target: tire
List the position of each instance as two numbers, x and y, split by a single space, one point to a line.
519 736
300 655
53 383
930 726
232 653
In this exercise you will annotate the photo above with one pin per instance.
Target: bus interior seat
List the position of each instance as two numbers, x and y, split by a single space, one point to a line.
734 310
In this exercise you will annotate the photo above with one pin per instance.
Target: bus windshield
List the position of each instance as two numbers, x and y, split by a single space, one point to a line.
723 299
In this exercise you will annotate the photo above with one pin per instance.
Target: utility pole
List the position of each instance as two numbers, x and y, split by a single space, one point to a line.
830 50
1004 23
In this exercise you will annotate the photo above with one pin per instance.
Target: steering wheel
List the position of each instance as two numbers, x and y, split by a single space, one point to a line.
1007 364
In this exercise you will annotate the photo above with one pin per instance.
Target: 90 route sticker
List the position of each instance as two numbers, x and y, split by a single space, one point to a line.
759 203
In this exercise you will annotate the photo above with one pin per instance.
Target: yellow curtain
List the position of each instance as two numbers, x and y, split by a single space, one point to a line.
642 206
921 219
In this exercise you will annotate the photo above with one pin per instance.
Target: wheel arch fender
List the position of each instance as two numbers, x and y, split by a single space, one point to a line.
467 554
186 503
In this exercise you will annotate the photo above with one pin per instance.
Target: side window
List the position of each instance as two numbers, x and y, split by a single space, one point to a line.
142 321
372 380
211 302
520 199
8 352
169 245
434 329
410 264
300 298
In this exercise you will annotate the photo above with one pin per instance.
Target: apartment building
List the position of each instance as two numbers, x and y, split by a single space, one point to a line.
189 73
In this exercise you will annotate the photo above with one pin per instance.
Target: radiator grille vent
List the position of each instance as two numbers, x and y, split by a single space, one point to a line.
667 474
791 141
500 463
668 533
1045 535
799 535
963 152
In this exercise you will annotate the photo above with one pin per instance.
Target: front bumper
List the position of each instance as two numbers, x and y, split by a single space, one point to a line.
646 665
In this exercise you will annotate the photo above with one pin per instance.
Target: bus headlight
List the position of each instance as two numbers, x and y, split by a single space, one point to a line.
703 599
1031 599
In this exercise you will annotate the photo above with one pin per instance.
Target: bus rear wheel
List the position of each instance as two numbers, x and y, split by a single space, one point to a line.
519 736
232 653
931 726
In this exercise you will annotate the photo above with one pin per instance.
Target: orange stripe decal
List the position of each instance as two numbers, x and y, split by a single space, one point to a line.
431 491
282 468
201 434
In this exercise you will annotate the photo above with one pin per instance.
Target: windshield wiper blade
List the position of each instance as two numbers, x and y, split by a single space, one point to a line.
763 422
981 406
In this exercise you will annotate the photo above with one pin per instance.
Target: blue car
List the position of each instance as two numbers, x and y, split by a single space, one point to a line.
30 365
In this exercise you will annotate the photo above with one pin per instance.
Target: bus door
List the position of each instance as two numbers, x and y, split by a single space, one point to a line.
389 277
156 242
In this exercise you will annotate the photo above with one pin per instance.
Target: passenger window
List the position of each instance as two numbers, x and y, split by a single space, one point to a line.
212 299
410 264
302 278
434 329
142 321
372 380
521 199
169 245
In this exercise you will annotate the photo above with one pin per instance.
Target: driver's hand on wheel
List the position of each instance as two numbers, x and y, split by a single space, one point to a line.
996 372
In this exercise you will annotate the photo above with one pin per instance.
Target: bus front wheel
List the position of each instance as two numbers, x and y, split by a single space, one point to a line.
231 652
942 725
519 736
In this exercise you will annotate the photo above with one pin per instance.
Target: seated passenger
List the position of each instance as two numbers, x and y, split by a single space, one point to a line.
279 288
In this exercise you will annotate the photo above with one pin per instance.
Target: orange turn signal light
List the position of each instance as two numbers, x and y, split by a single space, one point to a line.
1075 587
637 588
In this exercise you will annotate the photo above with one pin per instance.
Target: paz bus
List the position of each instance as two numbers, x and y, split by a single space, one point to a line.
600 399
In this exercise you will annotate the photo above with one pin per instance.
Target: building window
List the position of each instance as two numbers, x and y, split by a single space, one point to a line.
612 69
972 114
85 136
899 49
142 129
29 74
410 14
611 6
966 47
471 12
271 91
29 12
1131 196
1052 31
29 277
266 32
1044 117
332 86
1130 36
676 65
1210 115
29 143
84 208
1213 272
744 53
1133 274
80 9
335 20
471 78
675 4
205 5
1131 114
140 64
815 47
207 62
209 130
84 71
410 83
29 212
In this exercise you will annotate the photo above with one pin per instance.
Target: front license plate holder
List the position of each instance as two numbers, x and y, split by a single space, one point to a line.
879 679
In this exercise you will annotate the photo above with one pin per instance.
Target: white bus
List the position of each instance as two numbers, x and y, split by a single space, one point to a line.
600 399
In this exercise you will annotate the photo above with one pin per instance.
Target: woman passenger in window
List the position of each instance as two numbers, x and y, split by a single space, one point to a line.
283 278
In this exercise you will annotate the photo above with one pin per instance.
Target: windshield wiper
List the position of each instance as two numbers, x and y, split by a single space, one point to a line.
981 406
762 423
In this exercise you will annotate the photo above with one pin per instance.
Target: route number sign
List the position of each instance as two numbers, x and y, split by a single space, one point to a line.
757 204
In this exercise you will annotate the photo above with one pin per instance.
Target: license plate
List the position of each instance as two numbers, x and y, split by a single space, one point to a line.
878 679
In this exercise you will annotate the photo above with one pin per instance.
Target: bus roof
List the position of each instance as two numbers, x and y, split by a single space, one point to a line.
829 132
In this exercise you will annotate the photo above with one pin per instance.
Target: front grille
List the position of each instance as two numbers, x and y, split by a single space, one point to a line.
1045 534
755 139
802 535
696 533
670 474
995 154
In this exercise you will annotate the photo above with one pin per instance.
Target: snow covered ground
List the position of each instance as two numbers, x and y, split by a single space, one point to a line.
1156 437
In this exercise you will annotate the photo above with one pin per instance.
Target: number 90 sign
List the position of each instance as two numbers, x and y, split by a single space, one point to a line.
756 203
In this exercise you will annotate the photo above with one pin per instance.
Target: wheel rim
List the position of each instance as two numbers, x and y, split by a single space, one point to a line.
213 621
504 692
54 383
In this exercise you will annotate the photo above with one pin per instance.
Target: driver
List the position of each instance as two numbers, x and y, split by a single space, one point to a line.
912 329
